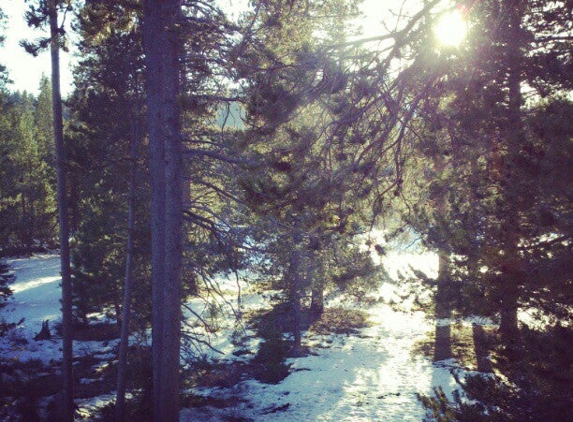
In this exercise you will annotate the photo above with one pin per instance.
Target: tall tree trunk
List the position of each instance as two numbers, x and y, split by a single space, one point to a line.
317 299
443 341
297 316
296 286
317 284
162 54
513 10
443 305
25 222
126 311
156 150
67 410
509 322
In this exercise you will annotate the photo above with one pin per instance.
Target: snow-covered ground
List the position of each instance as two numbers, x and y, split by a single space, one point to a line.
36 299
371 376
36 291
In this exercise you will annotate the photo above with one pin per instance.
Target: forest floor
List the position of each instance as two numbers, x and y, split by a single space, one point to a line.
362 362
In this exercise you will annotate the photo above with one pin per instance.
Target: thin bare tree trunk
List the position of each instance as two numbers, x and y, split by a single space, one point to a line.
317 300
67 408
152 24
127 292
509 322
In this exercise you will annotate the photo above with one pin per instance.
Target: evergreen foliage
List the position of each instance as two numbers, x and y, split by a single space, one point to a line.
493 167
307 190
275 145
495 202
4 78
6 277
532 390
27 207
109 86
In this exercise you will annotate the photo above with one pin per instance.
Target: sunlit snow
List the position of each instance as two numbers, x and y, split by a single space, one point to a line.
372 376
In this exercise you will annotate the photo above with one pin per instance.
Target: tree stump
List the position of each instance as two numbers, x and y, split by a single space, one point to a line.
44 333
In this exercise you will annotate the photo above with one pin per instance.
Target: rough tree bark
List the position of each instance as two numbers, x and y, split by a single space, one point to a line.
317 285
162 45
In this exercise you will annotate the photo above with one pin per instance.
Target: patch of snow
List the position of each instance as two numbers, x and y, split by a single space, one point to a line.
90 406
403 263
370 376
37 292
36 298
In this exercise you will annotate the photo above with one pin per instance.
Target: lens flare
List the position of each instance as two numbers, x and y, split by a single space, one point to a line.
451 29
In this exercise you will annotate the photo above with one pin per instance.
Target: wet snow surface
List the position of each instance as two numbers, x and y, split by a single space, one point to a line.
370 376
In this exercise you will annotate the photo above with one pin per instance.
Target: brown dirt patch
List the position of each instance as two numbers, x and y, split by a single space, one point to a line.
340 321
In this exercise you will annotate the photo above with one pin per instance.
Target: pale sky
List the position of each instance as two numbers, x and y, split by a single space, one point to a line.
26 70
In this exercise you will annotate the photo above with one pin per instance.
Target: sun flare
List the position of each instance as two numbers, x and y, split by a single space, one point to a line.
451 28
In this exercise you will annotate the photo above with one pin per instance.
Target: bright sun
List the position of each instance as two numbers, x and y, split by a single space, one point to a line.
451 28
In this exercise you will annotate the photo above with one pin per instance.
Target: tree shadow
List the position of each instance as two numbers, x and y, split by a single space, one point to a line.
444 337
443 328
481 349
446 344
370 374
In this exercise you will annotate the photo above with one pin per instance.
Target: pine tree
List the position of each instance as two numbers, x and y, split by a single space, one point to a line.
29 203
4 79
5 277
7 169
501 185
162 48
482 132
43 119
5 293
46 12
315 175
109 87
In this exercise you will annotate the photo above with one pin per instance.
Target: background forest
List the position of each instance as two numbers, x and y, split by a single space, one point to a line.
293 148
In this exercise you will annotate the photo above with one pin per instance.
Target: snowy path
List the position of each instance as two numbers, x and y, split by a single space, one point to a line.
370 377
373 376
